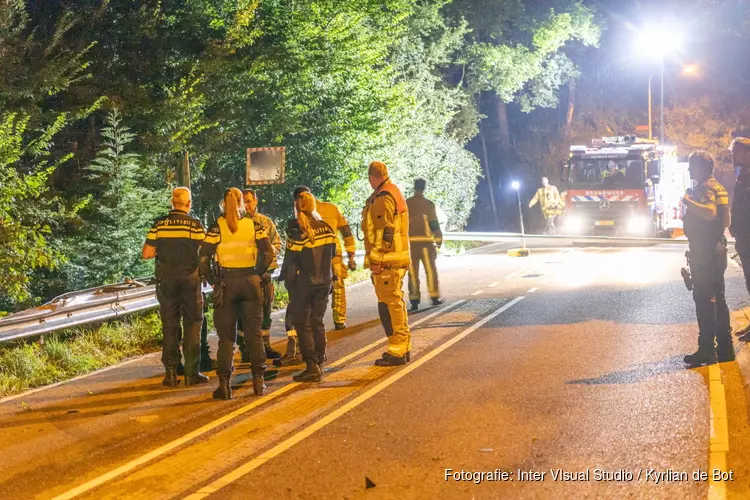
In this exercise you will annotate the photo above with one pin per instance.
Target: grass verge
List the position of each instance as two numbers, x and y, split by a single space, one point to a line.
70 353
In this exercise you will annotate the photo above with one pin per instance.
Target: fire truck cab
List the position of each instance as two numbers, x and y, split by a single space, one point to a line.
623 186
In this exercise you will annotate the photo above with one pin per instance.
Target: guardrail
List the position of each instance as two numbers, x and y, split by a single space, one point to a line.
110 302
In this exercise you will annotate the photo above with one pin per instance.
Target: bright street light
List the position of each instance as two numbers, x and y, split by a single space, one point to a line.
660 43
515 185
690 70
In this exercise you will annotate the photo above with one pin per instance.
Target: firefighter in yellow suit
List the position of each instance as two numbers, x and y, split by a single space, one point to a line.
425 239
385 223
332 216
551 202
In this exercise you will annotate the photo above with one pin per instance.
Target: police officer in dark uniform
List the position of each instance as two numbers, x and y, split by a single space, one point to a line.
174 240
244 254
308 273
740 226
706 218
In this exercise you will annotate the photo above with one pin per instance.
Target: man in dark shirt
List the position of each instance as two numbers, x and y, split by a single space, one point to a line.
705 221
175 240
740 227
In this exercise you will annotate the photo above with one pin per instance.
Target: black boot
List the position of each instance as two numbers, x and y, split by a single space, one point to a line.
312 373
437 301
292 355
700 358
170 378
389 359
196 379
224 391
339 326
414 306
259 388
271 353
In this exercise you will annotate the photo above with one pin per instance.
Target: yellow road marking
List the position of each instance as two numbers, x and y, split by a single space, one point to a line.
719 441
311 429
478 292
162 450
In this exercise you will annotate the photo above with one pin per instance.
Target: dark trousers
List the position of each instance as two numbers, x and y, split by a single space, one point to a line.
288 319
240 294
707 270
180 298
308 309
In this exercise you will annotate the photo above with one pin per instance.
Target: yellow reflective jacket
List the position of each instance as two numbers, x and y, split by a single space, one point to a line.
385 223
332 216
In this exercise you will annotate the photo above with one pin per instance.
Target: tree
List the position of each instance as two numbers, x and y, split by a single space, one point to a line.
33 73
119 214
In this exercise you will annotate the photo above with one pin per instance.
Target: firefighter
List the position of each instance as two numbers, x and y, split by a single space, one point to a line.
244 254
551 203
251 207
740 227
385 223
332 216
307 270
174 240
707 215
425 239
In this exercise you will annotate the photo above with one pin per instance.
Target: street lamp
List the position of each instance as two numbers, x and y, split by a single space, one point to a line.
515 185
659 42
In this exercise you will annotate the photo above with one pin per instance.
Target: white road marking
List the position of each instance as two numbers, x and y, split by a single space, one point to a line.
517 273
532 290
478 292
492 285
162 450
236 474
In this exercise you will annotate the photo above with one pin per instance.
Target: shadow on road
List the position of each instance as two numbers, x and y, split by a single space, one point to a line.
637 374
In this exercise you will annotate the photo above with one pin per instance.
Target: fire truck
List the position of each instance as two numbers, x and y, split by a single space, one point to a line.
623 186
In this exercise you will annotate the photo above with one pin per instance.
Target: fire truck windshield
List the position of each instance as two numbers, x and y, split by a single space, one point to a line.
615 172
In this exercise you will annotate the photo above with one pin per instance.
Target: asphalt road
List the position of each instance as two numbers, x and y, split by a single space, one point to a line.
568 361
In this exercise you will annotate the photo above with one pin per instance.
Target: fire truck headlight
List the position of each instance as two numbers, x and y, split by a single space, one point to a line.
638 224
573 224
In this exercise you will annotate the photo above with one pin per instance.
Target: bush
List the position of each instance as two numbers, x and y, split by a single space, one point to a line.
70 353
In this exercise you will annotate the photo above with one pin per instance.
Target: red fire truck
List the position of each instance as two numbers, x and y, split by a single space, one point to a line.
623 186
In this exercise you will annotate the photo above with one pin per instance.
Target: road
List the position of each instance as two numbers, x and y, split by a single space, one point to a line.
568 360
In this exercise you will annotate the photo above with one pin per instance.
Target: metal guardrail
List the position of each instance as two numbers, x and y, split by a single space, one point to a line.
121 299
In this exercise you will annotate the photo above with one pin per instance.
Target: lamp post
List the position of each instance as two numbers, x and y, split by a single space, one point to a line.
689 70
661 42
516 186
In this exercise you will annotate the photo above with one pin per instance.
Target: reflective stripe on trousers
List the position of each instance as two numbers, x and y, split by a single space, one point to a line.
427 254
392 309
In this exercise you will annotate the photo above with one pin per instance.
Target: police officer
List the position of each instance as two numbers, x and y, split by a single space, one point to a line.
551 203
740 227
174 240
332 216
385 223
251 206
707 215
244 254
425 239
307 270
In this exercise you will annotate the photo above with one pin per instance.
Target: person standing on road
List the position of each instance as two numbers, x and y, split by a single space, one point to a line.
307 270
550 202
740 227
174 240
244 254
251 206
706 219
425 239
385 223
332 216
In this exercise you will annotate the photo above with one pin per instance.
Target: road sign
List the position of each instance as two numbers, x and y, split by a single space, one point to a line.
641 128
265 166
